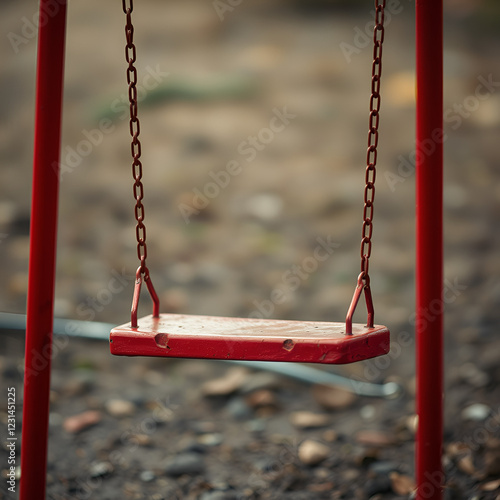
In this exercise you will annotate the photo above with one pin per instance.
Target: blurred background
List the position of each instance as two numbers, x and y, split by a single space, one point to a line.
220 243
235 212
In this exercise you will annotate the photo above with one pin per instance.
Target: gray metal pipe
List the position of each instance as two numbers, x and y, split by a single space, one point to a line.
100 331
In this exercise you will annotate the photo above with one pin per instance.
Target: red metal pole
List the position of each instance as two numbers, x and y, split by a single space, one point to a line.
49 91
429 172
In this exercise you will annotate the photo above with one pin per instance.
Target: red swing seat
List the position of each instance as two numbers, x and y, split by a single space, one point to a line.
212 337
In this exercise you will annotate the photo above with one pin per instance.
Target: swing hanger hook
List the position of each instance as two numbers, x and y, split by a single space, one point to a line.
362 284
143 274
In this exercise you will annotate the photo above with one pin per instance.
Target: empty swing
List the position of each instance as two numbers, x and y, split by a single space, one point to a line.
212 337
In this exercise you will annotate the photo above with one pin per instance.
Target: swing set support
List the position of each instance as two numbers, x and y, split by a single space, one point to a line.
429 272
429 265
42 260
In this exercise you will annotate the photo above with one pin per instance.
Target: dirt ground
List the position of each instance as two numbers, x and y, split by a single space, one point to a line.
222 239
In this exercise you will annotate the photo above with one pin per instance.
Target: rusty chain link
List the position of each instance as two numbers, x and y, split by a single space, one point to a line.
135 130
370 172
363 282
371 154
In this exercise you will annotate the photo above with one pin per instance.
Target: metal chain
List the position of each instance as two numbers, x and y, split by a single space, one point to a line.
135 129
371 154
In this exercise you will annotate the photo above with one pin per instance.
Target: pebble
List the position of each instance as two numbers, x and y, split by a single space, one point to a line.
321 487
238 408
367 457
401 484
491 485
260 380
312 453
120 408
308 420
264 206
375 438
384 467
211 439
140 439
226 385
191 445
476 412
82 421
367 412
100 469
350 475
333 398
146 476
492 463
262 398
411 423
257 425
322 473
465 464
381 483
330 436
456 449
266 465
185 463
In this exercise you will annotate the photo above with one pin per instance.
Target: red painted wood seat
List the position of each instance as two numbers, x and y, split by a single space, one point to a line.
212 337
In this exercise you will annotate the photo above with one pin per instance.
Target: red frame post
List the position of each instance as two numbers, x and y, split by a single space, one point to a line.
49 91
429 270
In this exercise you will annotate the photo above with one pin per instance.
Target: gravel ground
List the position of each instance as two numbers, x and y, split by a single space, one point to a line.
147 428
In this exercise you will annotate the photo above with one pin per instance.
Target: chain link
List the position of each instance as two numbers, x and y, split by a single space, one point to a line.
135 129
371 153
